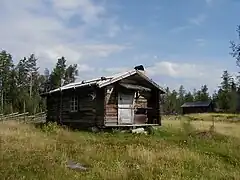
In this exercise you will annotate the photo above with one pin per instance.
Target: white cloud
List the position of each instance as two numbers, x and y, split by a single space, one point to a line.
200 42
85 68
173 74
198 20
179 29
194 21
31 26
209 2
191 75
74 53
175 70
167 74
88 11
103 50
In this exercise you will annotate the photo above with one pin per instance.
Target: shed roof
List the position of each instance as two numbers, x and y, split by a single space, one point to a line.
197 104
104 81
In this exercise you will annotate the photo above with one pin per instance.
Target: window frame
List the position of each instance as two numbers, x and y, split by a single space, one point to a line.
74 103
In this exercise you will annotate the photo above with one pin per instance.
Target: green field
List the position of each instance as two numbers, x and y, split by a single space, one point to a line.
183 148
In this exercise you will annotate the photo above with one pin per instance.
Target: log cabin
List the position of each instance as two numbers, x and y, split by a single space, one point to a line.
128 99
197 107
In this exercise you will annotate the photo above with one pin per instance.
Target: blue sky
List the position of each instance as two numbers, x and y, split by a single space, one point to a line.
180 42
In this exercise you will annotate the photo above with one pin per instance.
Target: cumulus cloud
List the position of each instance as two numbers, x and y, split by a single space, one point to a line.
198 20
193 21
179 29
89 12
192 75
54 28
200 42
46 28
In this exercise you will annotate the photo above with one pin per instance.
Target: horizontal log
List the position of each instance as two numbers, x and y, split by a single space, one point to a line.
110 124
109 118
111 111
111 115
86 121
40 113
8 115
22 114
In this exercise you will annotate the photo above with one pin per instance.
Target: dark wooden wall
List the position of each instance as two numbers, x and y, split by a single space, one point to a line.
140 103
154 113
52 108
100 103
58 108
152 103
100 111
190 110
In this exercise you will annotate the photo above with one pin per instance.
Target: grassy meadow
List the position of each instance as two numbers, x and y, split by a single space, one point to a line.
183 148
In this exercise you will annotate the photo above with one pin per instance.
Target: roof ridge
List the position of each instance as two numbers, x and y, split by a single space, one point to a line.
106 80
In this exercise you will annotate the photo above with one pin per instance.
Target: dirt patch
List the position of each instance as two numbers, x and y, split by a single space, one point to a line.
202 134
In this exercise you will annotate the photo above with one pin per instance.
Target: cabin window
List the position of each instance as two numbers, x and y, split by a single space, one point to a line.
74 104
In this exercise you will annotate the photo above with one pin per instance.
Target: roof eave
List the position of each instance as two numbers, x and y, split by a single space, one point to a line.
151 81
113 80
100 85
60 89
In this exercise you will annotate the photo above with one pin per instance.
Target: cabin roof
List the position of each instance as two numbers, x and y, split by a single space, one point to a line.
197 104
104 81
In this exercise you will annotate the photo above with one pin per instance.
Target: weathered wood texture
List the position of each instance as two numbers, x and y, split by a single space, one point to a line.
140 102
154 113
100 99
61 112
111 105
99 106
148 100
52 107
24 117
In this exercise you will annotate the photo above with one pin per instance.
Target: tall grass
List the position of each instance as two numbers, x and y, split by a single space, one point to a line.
171 153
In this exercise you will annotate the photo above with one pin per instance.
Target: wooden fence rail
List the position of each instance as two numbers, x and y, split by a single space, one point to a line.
24 117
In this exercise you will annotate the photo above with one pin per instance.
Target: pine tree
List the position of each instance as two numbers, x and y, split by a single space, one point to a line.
70 74
224 93
204 96
188 97
235 46
58 73
6 67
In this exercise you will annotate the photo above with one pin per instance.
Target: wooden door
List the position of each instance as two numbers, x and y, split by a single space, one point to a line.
125 108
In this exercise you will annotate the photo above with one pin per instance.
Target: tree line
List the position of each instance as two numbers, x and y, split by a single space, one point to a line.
225 99
21 85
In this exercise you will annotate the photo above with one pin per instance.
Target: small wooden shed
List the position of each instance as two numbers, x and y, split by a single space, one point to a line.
197 107
125 99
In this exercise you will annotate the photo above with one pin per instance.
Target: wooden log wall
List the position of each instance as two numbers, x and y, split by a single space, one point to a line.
100 98
52 108
153 102
111 105
59 109
86 113
140 102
